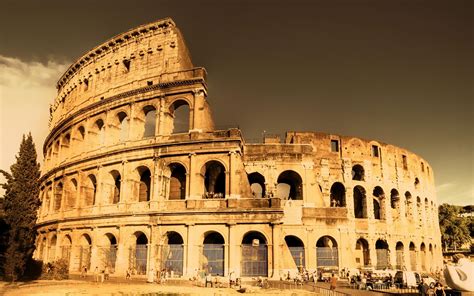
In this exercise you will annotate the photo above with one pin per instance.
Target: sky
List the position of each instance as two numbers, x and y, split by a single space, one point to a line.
400 72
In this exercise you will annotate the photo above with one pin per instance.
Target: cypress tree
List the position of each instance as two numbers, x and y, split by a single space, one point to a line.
21 204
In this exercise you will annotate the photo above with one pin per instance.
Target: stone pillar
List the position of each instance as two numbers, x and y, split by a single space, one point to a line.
95 256
192 250
121 264
193 178
232 176
233 248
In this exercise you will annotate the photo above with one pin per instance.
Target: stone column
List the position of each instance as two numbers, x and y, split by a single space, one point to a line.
193 178
192 251
232 254
121 264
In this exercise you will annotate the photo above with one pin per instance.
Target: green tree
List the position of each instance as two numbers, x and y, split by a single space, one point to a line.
21 205
454 228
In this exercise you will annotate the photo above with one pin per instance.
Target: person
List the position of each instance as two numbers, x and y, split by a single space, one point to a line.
129 274
208 279
439 289
106 273
333 282
231 279
83 271
151 276
96 274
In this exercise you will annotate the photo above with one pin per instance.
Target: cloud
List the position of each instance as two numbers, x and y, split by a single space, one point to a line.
26 90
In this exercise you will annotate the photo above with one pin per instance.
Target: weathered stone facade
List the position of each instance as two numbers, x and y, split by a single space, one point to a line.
123 187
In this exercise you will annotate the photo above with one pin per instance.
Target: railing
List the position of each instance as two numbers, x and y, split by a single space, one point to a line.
312 287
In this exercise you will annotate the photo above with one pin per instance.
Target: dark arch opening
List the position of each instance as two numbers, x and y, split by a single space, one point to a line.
150 121
173 253
58 196
327 255
257 184
338 195
360 202
174 238
145 183
213 238
362 252
180 113
177 182
357 172
214 180
254 254
116 188
394 199
296 247
293 180
213 252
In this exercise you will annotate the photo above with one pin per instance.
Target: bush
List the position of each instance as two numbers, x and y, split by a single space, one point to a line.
57 270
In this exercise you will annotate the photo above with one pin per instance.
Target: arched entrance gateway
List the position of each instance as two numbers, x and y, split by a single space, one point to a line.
399 251
296 247
254 255
383 254
139 253
412 256
362 257
326 253
108 252
212 260
172 253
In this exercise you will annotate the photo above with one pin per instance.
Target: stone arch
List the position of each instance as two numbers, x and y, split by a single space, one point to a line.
290 185
117 184
81 133
400 256
257 184
43 249
90 190
98 131
179 110
416 183
213 253
214 174
427 212
362 252
71 193
173 253
52 248
409 208
423 256
65 144
66 244
139 253
395 202
58 196
412 251
297 251
177 181
108 251
149 113
144 185
379 203
254 254
123 125
358 172
85 248
338 195
360 202
383 254
327 252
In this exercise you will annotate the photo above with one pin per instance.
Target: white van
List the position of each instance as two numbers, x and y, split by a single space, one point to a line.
407 279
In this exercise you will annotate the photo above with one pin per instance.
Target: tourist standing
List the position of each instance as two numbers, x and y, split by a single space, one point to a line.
333 282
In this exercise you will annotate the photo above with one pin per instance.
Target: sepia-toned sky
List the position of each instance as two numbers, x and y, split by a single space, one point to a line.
399 72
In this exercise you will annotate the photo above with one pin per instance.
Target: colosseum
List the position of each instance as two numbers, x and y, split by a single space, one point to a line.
137 178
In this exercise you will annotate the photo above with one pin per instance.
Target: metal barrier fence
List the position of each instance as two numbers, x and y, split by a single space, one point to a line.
172 258
254 260
138 259
305 286
327 256
213 259
84 257
298 256
108 257
382 258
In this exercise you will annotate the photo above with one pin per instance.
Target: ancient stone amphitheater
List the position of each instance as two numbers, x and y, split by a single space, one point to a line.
136 177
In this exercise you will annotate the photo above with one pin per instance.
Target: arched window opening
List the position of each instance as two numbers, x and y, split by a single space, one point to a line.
66 249
47 200
43 249
412 251
140 254
423 256
52 249
58 196
383 254
65 144
145 183
108 252
400 256
327 255
213 254
150 121
214 180
172 255
427 212
358 173
379 203
124 123
362 256
85 247
409 205
177 182
115 198
338 195
71 194
257 185
296 247
100 129
395 203
82 133
179 110
290 186
254 255
360 202
90 190
417 183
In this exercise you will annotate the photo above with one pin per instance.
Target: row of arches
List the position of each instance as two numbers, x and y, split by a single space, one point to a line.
399 205
289 185
358 174
112 129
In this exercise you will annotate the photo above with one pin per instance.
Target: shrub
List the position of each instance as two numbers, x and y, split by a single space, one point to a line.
57 270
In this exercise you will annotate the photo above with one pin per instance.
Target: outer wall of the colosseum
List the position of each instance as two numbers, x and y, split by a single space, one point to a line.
120 183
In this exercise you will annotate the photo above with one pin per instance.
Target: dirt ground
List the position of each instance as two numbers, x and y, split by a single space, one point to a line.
74 287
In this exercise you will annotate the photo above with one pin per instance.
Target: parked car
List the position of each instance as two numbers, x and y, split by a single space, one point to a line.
426 278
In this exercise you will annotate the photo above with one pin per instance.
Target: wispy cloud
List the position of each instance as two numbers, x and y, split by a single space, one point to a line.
26 90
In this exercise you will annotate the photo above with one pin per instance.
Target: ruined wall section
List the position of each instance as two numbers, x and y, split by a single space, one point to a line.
137 58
